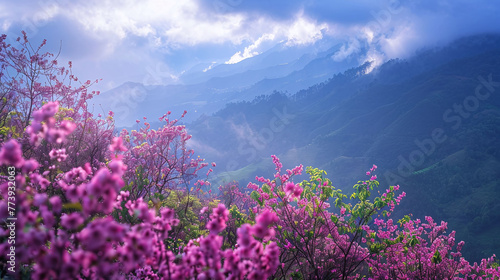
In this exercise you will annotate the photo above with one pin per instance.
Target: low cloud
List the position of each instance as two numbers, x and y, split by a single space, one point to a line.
347 49
251 50
304 31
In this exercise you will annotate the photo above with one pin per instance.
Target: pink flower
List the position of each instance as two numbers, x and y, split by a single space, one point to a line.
39 199
60 154
117 167
266 218
167 214
218 219
297 192
56 204
117 145
244 237
216 225
11 154
74 193
71 221
221 211
289 188
30 166
48 110
67 127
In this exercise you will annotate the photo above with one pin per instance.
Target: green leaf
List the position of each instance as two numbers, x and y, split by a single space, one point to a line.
266 189
436 258
255 196
334 218
338 202
72 206
414 241
281 193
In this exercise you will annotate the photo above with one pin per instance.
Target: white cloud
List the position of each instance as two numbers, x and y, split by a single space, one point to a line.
299 31
251 50
210 66
376 58
178 23
304 31
46 11
352 47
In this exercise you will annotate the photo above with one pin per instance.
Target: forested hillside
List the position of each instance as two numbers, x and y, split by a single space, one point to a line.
431 123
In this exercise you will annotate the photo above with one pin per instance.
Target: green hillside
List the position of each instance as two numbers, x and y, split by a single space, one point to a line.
420 120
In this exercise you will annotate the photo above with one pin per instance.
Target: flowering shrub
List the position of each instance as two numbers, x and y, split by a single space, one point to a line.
159 160
79 239
318 244
30 78
421 250
239 204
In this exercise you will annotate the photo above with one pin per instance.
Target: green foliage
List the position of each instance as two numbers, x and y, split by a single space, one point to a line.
239 217
256 196
76 206
436 259
187 209
297 276
141 180
324 185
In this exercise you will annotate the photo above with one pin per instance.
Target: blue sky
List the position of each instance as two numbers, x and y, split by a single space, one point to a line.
155 41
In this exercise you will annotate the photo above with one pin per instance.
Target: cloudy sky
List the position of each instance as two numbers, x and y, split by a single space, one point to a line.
154 41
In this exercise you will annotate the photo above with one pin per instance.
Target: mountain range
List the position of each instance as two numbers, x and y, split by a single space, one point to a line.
431 122
208 87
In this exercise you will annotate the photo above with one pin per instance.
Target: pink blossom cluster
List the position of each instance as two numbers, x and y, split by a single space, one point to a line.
86 244
12 155
49 108
293 190
417 250
44 125
158 159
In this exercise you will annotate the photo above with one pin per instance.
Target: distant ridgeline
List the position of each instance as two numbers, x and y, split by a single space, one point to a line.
431 123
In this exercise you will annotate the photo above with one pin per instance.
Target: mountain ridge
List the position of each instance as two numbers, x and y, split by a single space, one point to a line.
353 120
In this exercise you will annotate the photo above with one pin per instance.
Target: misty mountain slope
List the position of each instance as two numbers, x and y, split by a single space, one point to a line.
316 71
352 120
205 91
329 109
281 60
436 92
397 70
